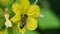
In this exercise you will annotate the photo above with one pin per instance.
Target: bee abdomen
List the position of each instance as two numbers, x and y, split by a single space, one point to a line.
22 25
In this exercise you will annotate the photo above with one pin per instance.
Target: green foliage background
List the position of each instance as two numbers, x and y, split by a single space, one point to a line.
49 21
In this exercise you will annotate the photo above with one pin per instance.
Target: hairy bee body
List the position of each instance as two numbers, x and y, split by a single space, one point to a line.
23 21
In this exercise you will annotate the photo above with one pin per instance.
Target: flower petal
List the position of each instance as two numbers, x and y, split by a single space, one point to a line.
25 4
17 8
16 18
33 11
31 23
21 30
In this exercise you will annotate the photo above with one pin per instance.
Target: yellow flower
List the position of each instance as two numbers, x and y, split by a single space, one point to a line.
25 10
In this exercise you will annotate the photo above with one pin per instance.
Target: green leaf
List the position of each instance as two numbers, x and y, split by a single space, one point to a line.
11 12
1 11
2 6
2 27
31 32
10 30
2 22
15 29
49 20
17 0
9 3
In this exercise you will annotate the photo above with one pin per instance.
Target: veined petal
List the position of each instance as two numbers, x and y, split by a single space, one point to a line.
21 30
31 23
33 11
16 18
17 8
25 4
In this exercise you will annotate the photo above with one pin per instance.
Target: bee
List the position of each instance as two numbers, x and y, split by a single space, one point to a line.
23 21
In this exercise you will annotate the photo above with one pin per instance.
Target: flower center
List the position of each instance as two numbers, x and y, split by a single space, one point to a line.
23 20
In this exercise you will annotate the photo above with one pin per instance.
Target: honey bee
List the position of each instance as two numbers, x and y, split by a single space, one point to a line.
23 21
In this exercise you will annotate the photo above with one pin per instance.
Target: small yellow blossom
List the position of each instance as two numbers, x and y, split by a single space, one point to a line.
25 8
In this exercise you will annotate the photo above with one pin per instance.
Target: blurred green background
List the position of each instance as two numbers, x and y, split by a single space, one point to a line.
49 24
